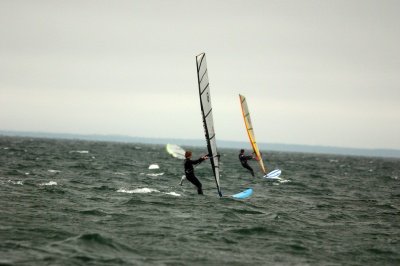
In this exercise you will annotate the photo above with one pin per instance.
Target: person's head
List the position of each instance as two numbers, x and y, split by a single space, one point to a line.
242 151
188 154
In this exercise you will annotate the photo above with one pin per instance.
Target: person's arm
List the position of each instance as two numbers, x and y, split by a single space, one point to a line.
194 162
200 160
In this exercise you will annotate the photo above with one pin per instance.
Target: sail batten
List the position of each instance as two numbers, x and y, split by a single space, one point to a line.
250 132
203 76
205 88
206 112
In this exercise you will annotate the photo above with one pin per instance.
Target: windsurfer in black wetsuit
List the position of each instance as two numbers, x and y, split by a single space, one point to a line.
189 170
243 160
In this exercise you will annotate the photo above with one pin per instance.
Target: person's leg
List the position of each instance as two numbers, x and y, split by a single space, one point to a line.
249 168
198 185
193 179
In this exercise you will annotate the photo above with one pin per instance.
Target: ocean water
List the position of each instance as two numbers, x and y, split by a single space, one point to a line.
65 202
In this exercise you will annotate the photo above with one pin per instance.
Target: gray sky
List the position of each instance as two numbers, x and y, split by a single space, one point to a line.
313 72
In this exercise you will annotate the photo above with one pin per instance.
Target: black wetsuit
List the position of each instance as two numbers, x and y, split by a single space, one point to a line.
243 160
189 172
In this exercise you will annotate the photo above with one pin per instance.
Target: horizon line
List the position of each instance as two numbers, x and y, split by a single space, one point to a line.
283 147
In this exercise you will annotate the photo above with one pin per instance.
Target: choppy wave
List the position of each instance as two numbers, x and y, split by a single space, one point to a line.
138 190
155 174
82 152
94 212
50 183
119 173
146 191
173 194
91 248
17 182
53 171
109 211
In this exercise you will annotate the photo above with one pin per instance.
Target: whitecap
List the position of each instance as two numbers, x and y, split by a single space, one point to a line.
5 148
122 190
79 151
156 174
53 171
15 182
119 173
138 190
173 194
154 166
50 183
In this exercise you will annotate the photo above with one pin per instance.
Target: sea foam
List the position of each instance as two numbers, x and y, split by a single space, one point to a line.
138 190
173 194
50 183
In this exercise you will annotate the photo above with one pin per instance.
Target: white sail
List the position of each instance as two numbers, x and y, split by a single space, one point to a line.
206 111
175 151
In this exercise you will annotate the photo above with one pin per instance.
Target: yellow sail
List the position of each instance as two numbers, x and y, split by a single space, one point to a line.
250 132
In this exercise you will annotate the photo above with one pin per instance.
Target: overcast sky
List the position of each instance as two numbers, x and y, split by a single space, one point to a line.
313 72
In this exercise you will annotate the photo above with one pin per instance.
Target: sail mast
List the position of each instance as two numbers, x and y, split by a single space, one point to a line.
206 112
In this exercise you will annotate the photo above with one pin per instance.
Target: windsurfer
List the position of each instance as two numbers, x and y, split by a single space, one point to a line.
189 170
243 160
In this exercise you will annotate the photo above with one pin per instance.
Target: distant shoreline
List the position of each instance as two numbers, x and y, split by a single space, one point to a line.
389 153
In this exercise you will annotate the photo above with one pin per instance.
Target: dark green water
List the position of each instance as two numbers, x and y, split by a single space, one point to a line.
97 203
